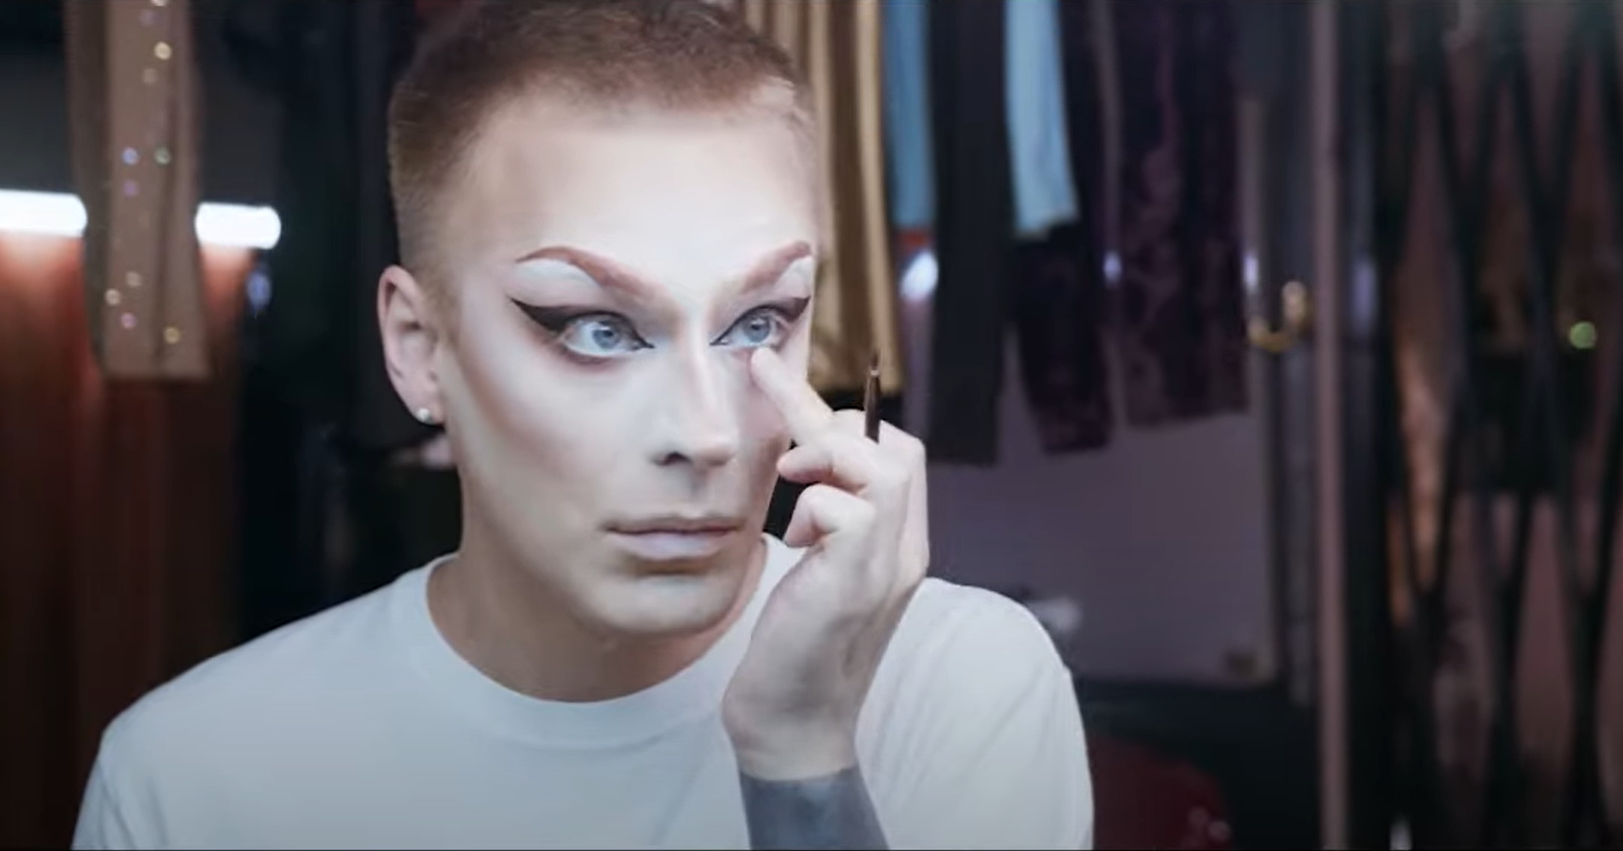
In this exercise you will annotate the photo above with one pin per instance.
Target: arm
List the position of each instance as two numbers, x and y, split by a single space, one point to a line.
832 811
791 709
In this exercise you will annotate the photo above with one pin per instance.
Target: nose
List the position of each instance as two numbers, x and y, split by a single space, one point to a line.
697 424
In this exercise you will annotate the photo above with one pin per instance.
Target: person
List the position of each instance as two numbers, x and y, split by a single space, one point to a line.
609 223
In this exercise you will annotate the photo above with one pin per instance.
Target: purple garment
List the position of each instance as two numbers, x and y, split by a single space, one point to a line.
1057 303
1058 296
1182 337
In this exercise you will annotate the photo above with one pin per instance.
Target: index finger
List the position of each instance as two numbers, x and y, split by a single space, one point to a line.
803 410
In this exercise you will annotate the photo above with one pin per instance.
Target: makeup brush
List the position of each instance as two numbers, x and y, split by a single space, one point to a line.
870 399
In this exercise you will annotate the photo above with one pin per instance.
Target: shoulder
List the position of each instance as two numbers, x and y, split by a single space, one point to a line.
233 709
952 635
972 634
962 653
956 646
939 604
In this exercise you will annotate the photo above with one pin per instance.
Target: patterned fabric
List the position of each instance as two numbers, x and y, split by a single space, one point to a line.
133 102
1183 333
1057 302
1058 280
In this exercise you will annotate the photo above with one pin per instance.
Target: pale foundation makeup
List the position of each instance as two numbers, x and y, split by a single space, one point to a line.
612 276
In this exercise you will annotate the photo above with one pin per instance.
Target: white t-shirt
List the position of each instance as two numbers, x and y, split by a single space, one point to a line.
360 727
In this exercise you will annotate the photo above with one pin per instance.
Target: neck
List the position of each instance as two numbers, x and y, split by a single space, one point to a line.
504 621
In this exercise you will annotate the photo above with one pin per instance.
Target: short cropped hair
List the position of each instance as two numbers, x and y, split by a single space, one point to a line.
601 54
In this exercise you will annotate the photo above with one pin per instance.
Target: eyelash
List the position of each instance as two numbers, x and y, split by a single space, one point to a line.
559 321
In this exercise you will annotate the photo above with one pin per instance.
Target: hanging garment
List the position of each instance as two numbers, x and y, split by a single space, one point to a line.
1057 302
974 229
1044 193
1048 282
836 44
133 102
908 154
1057 278
1182 337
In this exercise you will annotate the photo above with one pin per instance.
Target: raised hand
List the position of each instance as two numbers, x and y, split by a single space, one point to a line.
791 708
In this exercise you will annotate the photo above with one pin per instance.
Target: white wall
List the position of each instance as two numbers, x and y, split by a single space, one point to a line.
1161 537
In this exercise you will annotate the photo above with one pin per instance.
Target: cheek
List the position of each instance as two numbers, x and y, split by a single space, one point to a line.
519 409
518 412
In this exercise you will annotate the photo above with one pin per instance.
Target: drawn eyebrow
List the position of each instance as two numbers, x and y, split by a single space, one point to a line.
612 275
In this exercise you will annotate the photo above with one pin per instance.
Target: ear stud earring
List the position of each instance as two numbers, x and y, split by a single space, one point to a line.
424 416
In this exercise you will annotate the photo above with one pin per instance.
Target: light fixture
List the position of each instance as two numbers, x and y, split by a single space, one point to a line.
920 276
61 214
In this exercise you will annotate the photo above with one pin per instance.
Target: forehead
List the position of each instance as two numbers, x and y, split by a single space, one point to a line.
667 192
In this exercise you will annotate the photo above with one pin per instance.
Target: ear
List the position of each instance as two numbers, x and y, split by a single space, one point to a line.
411 339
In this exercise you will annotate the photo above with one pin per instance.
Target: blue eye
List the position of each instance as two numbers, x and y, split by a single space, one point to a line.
601 336
760 327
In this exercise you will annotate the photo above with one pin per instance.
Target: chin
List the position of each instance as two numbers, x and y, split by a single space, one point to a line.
666 603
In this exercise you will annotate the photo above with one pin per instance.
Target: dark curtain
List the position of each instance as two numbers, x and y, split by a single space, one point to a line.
117 525
1182 330
322 520
974 228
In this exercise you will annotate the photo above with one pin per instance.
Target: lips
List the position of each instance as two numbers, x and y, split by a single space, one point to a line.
674 538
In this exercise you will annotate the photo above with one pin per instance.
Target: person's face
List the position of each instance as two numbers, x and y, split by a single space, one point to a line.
611 277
